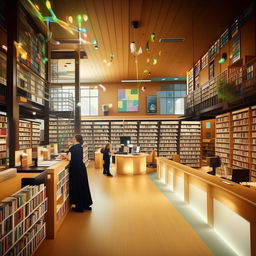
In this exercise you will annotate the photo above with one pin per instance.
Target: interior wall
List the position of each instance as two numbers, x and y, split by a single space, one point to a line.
110 97
210 130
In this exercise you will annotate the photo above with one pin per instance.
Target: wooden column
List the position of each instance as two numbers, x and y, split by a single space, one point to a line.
77 94
11 91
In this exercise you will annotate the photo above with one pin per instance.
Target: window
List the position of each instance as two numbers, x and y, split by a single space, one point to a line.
205 60
224 38
214 50
172 101
211 70
89 101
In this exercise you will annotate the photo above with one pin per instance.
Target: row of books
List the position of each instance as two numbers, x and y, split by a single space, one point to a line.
10 204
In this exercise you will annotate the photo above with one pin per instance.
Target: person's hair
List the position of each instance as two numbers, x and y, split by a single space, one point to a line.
79 139
107 146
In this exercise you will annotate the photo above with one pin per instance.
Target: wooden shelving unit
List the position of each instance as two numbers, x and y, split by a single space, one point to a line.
116 128
61 130
190 143
101 134
130 128
208 148
190 81
3 141
22 218
223 138
169 137
35 134
87 133
253 146
241 138
148 136
3 61
58 193
25 133
85 154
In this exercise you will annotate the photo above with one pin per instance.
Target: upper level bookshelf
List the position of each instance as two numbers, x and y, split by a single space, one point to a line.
3 63
253 146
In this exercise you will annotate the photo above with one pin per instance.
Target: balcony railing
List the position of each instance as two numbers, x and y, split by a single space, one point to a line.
243 79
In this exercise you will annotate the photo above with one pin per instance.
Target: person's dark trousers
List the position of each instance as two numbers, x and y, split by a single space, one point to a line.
106 166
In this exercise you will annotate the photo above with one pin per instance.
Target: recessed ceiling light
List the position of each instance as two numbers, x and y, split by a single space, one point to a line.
163 79
176 78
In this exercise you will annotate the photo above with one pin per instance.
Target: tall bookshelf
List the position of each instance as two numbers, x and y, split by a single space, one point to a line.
25 133
148 136
168 140
190 143
85 154
35 134
241 138
3 62
253 146
22 220
223 138
87 133
116 131
101 134
61 130
3 141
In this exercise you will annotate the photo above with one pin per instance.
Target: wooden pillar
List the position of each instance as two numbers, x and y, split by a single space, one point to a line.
77 94
11 90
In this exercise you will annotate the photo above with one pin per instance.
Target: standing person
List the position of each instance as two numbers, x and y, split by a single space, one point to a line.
106 158
79 190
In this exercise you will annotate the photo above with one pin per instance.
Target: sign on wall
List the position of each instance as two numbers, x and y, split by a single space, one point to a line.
152 104
128 100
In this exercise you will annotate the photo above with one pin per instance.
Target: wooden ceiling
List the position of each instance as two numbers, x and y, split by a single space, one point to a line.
110 24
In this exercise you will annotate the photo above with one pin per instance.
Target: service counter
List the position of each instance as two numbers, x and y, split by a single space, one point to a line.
228 207
131 164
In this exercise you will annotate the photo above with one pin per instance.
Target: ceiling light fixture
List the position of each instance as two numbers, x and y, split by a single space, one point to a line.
136 81
171 40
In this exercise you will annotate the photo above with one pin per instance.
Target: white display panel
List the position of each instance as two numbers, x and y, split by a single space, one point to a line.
234 229
169 180
179 186
198 201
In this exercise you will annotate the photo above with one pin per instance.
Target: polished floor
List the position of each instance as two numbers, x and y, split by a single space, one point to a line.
130 217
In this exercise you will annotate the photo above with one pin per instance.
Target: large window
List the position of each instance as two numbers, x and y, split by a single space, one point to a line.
172 101
89 101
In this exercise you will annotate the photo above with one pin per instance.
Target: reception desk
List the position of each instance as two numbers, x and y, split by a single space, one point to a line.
131 164
226 206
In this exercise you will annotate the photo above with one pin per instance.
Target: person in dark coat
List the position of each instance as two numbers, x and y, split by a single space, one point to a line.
79 190
106 158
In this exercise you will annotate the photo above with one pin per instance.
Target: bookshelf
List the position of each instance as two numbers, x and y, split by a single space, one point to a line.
148 136
3 141
223 138
25 134
190 143
3 61
241 138
208 148
168 139
85 154
58 197
117 129
190 81
253 146
87 133
22 220
35 134
61 130
101 134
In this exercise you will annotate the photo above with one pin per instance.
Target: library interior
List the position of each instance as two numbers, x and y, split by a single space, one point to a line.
127 128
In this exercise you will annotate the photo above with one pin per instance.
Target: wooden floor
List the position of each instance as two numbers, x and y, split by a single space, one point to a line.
130 217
